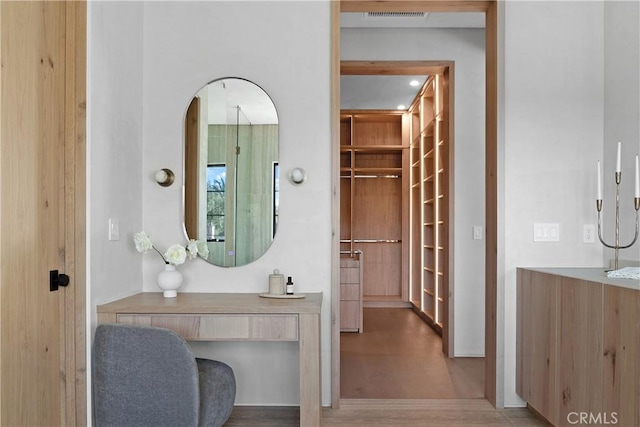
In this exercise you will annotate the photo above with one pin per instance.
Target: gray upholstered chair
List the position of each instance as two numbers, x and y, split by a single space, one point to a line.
145 376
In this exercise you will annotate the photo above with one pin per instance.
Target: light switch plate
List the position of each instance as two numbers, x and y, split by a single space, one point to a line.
546 232
114 229
477 232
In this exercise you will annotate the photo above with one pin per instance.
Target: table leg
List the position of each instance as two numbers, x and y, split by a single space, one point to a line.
309 369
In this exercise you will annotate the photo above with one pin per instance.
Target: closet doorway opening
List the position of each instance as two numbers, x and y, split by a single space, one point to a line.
348 243
396 186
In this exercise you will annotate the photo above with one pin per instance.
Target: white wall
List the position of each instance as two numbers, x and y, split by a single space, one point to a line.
148 61
114 154
553 130
466 48
622 117
114 140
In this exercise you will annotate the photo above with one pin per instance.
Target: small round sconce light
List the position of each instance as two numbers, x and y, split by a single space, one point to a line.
165 177
297 176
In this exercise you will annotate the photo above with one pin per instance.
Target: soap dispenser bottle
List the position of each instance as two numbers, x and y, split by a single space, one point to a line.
289 286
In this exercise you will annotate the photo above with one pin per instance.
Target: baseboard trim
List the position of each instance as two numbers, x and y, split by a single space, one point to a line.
386 304
432 404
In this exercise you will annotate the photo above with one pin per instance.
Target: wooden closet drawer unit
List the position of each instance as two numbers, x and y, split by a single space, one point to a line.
226 327
351 293
349 275
350 316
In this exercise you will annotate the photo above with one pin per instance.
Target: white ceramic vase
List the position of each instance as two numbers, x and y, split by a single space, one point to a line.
169 280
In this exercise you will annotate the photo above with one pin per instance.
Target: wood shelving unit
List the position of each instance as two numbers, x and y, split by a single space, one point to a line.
429 202
374 147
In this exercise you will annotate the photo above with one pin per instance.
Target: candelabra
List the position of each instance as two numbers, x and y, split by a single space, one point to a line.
636 200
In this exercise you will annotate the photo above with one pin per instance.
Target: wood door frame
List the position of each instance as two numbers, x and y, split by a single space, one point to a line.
75 396
422 68
490 8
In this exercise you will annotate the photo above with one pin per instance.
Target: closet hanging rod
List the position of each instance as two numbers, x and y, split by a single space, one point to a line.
370 176
372 241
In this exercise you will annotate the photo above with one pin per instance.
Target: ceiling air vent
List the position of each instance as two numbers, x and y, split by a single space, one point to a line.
394 15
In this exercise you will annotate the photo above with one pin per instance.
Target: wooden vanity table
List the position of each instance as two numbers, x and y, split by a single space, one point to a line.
235 317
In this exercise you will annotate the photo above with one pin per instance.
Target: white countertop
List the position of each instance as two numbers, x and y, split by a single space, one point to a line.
597 275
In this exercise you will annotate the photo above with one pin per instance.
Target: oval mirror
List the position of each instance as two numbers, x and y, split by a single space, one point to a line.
231 171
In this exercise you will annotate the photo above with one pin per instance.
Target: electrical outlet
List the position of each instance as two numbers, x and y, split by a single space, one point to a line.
589 233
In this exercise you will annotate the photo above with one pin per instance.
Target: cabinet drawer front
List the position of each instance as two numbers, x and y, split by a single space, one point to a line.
186 326
349 315
249 327
350 292
349 275
350 262
223 327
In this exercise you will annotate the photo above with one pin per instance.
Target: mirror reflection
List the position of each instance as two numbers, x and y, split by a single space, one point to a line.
231 176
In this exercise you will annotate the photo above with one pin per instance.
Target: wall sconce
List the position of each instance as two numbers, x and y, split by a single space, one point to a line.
297 176
165 177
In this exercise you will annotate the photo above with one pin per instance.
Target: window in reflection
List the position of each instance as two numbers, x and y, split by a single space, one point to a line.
216 190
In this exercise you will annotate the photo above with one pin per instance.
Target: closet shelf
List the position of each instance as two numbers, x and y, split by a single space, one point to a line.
373 149
430 114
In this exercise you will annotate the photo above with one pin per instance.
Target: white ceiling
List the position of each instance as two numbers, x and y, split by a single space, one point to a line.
387 92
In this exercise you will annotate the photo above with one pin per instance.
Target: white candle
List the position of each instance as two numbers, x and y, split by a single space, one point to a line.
618 158
637 179
599 182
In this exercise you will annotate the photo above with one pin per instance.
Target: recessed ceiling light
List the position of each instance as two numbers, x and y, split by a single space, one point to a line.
414 83
402 107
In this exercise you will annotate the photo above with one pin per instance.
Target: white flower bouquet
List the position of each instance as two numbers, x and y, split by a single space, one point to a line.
176 254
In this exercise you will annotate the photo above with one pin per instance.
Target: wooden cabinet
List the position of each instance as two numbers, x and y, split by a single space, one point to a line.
621 354
536 355
351 293
578 346
430 198
374 200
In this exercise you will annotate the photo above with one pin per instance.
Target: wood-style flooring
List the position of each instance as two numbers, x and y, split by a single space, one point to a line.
394 374
389 413
399 357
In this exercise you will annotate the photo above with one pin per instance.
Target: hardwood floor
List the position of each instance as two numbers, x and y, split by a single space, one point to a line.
386 413
394 374
399 357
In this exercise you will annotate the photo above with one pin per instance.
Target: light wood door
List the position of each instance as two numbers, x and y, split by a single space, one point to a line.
41 193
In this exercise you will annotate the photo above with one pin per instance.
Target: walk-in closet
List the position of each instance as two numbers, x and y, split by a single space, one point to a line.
395 205
394 174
